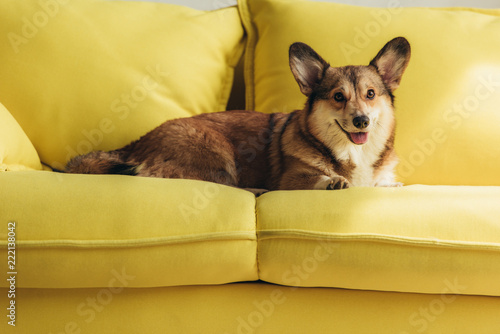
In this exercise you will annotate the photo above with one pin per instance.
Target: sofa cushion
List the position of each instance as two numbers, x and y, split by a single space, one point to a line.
426 239
83 230
449 96
16 150
82 75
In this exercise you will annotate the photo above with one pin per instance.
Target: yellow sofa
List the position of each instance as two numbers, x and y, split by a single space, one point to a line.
120 254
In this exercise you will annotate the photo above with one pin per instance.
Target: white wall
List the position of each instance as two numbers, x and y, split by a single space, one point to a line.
198 4
214 4
424 3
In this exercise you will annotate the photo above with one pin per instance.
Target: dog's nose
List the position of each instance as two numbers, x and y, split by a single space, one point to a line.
361 122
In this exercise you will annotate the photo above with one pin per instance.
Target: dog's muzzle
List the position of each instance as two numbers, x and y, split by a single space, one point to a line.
361 122
357 138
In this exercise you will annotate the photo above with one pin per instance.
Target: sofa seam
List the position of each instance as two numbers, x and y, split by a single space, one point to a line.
234 57
257 252
248 57
133 243
367 237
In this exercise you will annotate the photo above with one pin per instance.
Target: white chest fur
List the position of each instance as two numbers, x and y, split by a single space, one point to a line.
363 157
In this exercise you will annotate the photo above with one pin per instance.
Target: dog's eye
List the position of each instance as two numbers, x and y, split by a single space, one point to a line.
339 97
370 94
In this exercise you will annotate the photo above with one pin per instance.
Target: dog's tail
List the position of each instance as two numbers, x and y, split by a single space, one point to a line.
99 162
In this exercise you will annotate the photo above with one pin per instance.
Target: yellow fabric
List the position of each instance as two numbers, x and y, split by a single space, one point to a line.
409 239
247 308
16 150
447 104
83 75
73 230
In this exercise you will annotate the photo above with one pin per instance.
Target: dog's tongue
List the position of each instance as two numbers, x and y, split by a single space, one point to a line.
359 137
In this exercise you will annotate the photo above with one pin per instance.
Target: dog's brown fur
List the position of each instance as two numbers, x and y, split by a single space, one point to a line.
343 137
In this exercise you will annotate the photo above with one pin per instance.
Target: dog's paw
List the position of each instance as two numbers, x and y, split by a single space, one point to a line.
331 183
337 183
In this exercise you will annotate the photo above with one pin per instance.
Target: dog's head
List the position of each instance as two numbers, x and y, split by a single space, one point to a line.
354 98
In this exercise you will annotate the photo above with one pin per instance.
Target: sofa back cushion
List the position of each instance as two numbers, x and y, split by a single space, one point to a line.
83 75
448 102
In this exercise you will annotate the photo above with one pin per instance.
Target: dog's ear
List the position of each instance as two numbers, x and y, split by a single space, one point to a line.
307 67
392 61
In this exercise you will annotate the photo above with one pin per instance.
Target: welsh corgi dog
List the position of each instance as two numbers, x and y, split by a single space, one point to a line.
343 137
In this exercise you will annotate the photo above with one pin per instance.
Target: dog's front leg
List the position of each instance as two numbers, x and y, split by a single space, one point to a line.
296 181
331 183
386 178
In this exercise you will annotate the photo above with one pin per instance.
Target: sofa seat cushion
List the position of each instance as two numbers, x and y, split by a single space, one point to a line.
447 104
80 230
425 239
85 75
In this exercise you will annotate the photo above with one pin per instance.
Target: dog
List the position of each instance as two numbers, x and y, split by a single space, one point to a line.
343 137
